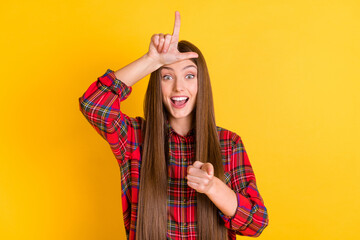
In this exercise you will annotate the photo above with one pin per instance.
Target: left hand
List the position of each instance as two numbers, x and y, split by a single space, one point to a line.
200 176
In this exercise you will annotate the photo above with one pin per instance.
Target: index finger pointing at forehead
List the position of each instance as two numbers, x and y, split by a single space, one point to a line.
177 24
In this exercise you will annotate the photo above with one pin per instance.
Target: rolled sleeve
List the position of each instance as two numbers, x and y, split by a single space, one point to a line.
251 217
116 85
243 215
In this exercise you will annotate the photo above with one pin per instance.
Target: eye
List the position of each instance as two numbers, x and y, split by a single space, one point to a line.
166 77
191 76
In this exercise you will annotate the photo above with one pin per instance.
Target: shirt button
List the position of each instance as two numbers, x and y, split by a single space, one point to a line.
185 200
184 159
185 224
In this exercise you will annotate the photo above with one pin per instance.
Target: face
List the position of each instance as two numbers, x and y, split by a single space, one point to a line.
179 88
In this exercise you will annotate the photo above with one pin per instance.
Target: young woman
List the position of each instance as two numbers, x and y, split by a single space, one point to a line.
182 176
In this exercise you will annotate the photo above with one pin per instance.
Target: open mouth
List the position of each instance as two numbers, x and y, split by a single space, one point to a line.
179 101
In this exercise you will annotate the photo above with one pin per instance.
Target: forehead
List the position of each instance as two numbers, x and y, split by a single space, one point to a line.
179 65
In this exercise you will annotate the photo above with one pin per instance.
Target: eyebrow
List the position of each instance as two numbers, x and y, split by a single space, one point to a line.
182 69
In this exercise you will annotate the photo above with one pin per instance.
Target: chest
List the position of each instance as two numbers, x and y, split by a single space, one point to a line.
181 154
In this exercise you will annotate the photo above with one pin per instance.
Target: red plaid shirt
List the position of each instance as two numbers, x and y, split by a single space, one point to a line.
100 105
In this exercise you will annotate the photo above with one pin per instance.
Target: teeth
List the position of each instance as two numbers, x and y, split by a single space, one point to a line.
179 98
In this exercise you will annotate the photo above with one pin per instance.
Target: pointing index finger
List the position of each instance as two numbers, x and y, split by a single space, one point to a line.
176 25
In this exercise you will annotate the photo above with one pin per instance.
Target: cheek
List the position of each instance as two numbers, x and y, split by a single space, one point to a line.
164 91
165 88
194 89
164 100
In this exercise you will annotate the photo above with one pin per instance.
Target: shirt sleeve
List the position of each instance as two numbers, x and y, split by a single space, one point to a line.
251 215
100 104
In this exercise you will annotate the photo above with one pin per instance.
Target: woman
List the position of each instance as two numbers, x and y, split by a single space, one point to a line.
182 176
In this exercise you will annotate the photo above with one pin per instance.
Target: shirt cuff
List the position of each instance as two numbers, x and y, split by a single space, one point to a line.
243 214
109 79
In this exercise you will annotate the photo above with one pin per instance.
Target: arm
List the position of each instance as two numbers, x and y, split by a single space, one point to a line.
100 104
249 215
240 206
223 197
133 72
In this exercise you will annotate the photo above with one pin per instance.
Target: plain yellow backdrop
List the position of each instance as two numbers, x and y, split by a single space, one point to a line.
285 77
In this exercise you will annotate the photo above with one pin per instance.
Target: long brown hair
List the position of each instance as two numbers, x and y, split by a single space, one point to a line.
152 206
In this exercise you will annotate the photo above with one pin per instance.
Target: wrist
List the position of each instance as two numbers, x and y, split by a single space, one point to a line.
153 62
213 189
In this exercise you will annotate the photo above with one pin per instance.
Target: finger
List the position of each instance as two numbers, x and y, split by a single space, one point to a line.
155 40
161 42
208 168
196 172
194 179
198 164
193 170
187 55
167 42
176 25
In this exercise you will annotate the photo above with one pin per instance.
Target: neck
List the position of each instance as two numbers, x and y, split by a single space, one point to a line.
182 125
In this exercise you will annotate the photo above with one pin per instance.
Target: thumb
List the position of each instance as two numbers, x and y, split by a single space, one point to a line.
186 55
208 168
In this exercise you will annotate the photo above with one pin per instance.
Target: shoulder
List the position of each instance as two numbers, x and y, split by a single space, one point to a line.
227 137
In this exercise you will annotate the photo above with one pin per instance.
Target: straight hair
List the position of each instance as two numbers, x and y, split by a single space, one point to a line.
152 212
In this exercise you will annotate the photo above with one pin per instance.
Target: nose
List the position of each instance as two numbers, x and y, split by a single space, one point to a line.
179 84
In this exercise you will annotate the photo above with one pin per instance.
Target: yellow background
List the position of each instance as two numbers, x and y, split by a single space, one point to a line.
285 77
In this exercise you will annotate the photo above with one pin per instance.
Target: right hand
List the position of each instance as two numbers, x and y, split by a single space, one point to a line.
164 48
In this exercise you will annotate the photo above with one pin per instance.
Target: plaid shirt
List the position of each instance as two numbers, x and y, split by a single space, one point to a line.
100 105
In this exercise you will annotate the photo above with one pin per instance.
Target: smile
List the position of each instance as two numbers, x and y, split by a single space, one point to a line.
179 102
